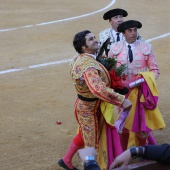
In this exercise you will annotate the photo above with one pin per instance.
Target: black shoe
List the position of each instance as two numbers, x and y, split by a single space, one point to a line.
63 165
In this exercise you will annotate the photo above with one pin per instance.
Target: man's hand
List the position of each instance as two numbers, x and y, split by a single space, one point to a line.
88 151
122 160
126 104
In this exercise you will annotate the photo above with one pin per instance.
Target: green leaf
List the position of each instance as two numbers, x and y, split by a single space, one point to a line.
110 64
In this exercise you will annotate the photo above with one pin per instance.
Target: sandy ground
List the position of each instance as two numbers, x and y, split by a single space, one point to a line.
33 99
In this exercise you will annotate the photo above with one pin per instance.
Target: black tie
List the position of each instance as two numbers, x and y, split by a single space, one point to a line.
118 37
130 54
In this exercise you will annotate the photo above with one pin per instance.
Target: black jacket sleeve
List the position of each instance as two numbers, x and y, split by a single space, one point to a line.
159 153
91 166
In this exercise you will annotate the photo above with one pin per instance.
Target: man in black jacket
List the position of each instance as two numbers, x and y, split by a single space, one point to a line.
160 153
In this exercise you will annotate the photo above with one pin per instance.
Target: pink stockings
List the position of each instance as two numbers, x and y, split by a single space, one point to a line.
76 144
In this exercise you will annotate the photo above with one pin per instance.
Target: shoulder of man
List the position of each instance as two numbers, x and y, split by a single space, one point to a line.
81 64
103 35
145 47
117 47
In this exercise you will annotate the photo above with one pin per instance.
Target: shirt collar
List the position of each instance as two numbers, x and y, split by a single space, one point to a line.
114 33
132 45
94 56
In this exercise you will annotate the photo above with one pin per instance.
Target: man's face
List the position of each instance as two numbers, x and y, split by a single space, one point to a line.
91 44
130 35
116 21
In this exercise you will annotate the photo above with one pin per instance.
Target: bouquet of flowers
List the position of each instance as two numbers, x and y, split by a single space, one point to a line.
116 74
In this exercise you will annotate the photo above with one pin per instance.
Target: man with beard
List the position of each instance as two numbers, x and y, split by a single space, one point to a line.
92 83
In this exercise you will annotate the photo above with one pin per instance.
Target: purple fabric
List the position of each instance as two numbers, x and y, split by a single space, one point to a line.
113 144
151 140
150 103
119 124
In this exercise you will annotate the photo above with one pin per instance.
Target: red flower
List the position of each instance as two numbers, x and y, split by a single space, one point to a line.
116 81
123 77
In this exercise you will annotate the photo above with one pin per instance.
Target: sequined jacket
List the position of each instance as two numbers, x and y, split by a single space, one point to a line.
92 80
107 33
143 59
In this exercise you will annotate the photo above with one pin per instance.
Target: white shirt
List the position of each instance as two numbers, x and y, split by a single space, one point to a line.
114 33
94 56
132 48
132 45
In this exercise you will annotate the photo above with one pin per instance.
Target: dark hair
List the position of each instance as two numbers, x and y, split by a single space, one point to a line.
80 40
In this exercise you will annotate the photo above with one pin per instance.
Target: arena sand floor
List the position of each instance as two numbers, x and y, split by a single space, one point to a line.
35 85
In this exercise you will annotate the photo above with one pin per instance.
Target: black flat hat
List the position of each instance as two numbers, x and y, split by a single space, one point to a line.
128 24
114 12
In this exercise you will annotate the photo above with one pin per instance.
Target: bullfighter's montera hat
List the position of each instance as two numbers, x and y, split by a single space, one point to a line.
114 12
128 24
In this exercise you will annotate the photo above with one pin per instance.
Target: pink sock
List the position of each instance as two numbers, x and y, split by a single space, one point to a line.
69 155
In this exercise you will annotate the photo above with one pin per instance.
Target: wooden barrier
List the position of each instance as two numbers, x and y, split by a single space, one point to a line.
146 165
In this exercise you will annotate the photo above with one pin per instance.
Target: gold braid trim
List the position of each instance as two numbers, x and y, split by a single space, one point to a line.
81 64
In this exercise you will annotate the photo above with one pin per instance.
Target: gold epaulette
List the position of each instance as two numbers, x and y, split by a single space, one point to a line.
81 64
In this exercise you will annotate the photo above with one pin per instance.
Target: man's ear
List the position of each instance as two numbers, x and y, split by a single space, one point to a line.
84 47
110 21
